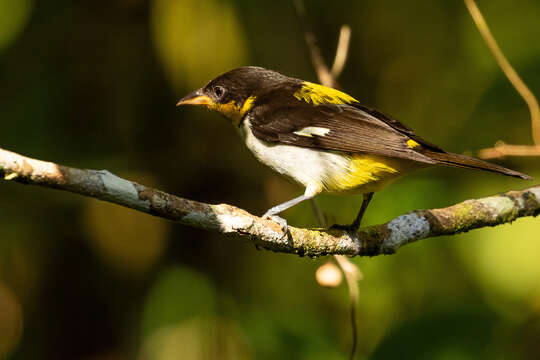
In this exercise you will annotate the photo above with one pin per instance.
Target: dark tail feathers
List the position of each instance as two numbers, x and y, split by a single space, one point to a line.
471 163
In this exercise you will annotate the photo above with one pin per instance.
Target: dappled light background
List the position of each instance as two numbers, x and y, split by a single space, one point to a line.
93 84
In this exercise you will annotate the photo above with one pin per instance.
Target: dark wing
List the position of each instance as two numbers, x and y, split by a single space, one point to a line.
399 126
334 127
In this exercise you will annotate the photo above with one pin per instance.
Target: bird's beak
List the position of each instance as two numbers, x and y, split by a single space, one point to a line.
195 98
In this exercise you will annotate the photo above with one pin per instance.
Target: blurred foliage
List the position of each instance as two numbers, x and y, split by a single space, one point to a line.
14 15
128 240
193 48
10 321
93 84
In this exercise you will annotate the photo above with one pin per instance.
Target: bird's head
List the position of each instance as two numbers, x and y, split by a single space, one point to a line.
234 93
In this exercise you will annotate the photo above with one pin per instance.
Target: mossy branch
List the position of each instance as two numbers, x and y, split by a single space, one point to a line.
235 222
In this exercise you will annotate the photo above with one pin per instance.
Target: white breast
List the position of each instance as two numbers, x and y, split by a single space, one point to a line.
305 166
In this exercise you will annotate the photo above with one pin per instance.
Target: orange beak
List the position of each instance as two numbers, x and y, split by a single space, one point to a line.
195 98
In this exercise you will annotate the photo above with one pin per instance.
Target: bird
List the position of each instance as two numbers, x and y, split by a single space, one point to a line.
321 137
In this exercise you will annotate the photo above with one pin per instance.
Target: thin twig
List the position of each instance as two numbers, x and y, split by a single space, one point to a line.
342 51
318 213
351 271
352 275
509 71
323 73
501 150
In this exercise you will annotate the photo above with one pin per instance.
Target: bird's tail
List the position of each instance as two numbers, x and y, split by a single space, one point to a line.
468 162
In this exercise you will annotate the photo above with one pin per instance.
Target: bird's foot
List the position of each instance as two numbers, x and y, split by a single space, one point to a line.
281 221
351 229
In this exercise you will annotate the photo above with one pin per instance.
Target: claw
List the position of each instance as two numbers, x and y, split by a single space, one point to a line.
281 221
348 228
351 229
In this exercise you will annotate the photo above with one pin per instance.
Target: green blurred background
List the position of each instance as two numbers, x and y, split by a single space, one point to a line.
93 84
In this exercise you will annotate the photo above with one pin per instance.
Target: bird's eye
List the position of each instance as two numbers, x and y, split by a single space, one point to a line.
219 91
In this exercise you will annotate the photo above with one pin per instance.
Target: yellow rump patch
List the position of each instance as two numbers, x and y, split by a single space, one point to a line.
412 144
318 94
233 111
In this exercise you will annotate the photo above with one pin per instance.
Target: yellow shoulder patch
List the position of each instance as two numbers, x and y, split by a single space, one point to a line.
318 94
412 144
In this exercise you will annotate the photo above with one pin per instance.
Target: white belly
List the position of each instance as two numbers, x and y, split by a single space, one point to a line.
305 166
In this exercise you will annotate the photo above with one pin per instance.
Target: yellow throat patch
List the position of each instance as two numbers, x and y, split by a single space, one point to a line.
233 111
318 94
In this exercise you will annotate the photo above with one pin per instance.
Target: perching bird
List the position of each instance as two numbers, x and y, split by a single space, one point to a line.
320 137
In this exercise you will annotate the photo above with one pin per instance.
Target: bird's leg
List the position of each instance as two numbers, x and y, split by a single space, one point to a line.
310 192
353 228
284 206
365 202
272 212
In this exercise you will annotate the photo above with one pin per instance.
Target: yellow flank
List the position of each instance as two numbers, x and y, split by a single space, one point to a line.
233 111
412 144
318 94
366 174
